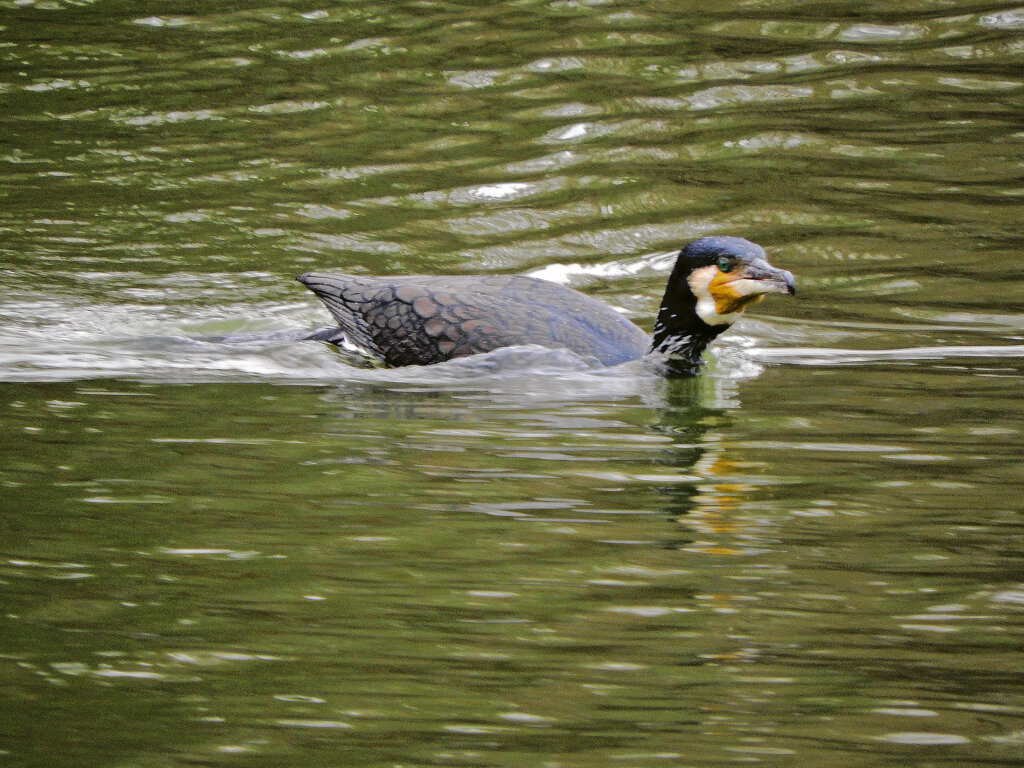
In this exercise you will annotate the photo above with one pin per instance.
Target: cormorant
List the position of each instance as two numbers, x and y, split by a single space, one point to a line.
428 319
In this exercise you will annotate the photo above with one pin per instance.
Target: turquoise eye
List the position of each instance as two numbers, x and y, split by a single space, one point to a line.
724 264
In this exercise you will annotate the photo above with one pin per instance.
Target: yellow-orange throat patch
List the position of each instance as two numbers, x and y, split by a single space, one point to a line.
732 293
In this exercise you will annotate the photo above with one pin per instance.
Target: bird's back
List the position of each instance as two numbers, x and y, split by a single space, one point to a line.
429 319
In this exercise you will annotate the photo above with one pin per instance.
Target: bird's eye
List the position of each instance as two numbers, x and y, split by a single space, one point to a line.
724 264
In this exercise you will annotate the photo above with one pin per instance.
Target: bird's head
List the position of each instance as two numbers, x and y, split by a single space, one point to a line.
714 280
725 275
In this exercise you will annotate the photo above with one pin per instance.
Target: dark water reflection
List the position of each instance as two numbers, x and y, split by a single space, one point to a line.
256 552
400 575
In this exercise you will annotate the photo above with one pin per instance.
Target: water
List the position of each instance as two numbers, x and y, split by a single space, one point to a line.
264 553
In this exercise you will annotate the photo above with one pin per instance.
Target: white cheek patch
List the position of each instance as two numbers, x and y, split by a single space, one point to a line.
700 280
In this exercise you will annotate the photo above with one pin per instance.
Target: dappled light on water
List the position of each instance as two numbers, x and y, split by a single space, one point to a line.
223 545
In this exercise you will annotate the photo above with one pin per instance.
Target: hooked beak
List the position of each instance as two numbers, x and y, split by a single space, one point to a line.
748 283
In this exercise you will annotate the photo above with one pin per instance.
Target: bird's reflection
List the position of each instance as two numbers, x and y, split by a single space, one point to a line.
697 414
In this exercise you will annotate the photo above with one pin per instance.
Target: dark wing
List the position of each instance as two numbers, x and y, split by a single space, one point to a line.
344 295
422 320
566 319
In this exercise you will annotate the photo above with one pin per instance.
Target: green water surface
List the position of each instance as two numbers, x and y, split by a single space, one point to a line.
264 555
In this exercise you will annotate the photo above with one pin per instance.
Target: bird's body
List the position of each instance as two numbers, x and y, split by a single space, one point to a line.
421 320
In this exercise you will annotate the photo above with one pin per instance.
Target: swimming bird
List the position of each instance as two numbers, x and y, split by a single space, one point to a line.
421 320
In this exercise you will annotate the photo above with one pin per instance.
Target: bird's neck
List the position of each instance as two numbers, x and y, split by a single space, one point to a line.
681 335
